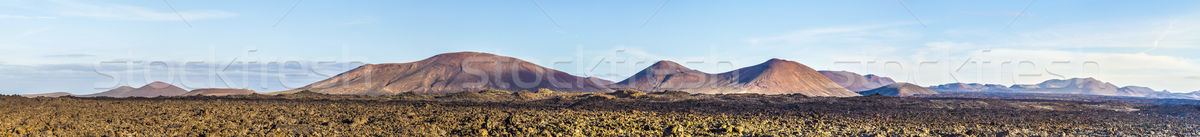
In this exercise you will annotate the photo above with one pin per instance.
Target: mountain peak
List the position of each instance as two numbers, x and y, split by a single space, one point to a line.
664 75
776 64
664 64
1063 83
452 72
779 76
1078 80
1082 86
218 92
462 54
457 58
899 89
778 61
124 88
775 76
152 89
158 84
51 94
855 82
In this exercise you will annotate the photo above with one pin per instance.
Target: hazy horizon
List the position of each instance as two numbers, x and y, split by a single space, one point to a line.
84 47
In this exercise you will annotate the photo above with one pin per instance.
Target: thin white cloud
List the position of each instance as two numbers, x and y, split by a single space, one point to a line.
1110 52
852 48
1027 66
862 33
6 16
129 12
88 78
613 64
1123 53
70 55
1156 71
1140 35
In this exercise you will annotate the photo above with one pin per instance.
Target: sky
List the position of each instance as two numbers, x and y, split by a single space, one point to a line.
90 46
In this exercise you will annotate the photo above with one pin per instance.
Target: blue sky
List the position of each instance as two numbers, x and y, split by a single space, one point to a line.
87 46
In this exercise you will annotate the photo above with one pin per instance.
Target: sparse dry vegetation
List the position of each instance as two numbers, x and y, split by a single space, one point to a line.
545 113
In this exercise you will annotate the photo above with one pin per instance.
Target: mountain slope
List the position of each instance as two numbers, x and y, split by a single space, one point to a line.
1089 86
970 87
153 89
119 91
1139 91
51 94
665 75
218 92
775 76
1191 95
1080 86
600 81
899 89
451 72
855 82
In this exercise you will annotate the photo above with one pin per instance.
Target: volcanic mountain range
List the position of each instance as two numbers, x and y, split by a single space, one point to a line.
472 71
153 89
855 82
149 90
776 76
469 71
899 89
218 92
1085 86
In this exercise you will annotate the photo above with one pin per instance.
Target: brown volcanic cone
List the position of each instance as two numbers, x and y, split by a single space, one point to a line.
112 92
855 82
51 94
665 75
776 76
600 81
1089 86
899 89
451 72
153 89
218 92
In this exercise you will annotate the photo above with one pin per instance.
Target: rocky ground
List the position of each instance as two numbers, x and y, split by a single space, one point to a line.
624 113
